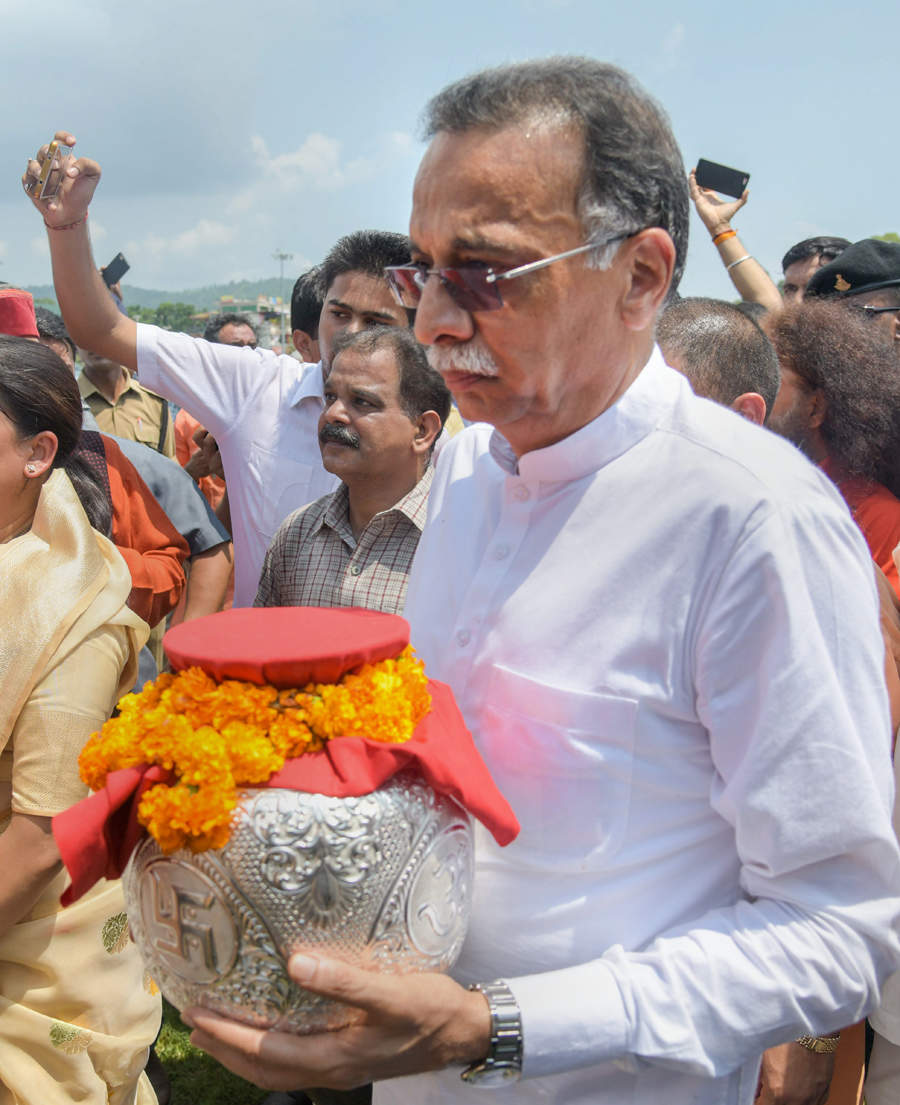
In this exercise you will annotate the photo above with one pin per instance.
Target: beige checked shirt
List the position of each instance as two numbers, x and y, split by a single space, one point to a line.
314 559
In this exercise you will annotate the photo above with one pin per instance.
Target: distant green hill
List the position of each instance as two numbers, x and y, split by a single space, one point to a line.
201 298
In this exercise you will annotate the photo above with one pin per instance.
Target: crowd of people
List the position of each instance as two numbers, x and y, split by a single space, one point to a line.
649 541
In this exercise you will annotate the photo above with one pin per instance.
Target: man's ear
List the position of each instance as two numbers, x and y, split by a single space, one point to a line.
428 426
651 261
751 406
307 347
818 408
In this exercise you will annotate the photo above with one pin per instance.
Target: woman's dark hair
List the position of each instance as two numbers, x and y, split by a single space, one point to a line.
38 392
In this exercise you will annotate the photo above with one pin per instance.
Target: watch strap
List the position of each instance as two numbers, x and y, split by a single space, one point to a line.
503 1062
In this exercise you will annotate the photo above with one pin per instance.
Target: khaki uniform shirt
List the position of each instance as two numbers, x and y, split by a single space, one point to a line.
138 414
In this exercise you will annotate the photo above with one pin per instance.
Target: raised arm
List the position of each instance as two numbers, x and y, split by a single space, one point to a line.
87 308
749 277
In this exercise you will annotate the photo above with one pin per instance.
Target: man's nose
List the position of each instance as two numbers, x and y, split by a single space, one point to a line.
335 411
439 317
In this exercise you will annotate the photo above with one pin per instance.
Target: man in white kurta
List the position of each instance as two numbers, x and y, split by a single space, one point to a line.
661 706
661 625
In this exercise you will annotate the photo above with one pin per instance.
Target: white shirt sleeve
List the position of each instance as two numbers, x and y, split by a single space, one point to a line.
213 382
788 676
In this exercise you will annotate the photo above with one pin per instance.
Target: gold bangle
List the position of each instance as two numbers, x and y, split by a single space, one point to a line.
821 1045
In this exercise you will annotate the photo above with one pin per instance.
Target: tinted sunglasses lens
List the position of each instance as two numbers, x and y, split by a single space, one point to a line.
470 289
403 284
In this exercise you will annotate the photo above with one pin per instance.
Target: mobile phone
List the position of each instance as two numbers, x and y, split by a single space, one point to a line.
52 168
115 270
731 182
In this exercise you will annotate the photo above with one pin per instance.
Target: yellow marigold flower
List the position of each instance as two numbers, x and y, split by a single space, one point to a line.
216 737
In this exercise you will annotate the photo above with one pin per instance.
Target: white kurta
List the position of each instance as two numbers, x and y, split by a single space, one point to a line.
663 633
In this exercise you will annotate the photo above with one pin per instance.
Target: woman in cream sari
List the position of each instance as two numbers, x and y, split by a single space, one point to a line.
77 1015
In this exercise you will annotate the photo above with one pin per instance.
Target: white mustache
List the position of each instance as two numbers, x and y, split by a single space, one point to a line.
469 356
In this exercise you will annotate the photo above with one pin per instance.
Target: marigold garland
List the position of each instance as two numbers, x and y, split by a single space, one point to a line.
217 737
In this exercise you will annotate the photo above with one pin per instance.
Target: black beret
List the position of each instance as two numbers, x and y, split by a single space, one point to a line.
862 267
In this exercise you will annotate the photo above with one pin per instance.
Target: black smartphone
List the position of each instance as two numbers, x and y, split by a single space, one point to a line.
731 182
115 270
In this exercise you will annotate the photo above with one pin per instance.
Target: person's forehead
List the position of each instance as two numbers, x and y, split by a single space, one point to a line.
800 272
236 329
363 293
496 185
376 371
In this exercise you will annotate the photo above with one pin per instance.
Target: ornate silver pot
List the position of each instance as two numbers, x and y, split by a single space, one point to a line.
382 881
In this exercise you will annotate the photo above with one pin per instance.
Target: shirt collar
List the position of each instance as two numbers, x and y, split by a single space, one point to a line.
413 505
309 385
337 515
87 388
612 433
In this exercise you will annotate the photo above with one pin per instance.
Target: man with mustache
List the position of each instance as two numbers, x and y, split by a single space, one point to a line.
384 409
661 626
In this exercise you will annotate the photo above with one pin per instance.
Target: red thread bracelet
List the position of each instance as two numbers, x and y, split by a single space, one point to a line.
67 226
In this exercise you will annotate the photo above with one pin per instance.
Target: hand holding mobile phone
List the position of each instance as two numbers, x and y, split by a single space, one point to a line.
720 178
115 270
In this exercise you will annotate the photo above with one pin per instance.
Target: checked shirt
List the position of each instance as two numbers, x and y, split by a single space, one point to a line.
314 559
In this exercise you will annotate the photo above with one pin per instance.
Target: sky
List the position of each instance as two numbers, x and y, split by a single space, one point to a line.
228 132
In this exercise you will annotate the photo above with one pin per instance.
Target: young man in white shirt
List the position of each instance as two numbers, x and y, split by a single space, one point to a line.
662 632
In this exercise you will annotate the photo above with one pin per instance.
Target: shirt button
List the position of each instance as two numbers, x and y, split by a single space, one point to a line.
521 493
463 637
355 569
501 552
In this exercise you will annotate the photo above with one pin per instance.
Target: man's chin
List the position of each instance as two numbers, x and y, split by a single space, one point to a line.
336 457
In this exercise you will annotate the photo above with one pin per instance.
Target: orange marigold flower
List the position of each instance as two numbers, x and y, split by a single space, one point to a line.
216 737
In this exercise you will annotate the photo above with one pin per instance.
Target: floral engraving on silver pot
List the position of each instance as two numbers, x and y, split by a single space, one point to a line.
318 853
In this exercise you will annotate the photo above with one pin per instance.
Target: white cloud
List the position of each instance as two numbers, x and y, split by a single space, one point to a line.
672 43
207 233
317 161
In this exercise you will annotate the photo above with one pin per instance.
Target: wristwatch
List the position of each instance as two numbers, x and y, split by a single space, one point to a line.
503 1063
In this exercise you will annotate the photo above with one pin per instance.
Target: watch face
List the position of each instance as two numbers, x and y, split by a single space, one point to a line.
490 1077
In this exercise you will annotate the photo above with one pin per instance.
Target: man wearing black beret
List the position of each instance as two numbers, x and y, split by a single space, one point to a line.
866 277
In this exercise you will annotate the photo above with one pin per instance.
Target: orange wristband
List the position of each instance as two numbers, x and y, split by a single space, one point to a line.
724 236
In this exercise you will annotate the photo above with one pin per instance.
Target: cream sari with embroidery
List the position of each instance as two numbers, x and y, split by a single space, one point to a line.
77 1014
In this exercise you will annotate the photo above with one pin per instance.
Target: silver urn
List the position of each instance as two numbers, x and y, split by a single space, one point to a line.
382 881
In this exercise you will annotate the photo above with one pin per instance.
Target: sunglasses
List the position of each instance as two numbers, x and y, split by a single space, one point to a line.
870 312
472 287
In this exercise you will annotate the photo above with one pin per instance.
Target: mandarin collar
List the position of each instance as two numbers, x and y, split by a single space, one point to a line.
613 432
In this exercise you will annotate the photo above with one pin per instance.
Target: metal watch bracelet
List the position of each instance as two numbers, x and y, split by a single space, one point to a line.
503 1063
821 1045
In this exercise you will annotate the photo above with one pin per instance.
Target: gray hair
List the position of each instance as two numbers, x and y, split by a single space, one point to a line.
633 172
